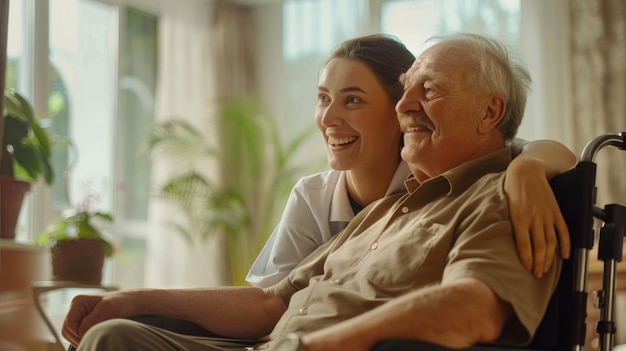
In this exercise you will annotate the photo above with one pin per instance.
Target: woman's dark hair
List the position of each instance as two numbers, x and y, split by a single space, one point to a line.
384 54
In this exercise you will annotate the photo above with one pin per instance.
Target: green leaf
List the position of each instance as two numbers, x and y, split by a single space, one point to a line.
105 216
42 140
179 141
28 160
15 130
17 104
55 231
29 141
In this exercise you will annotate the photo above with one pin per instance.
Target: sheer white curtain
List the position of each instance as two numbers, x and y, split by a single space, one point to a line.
185 89
293 40
598 51
544 47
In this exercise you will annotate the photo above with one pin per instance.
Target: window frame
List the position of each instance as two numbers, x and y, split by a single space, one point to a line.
39 209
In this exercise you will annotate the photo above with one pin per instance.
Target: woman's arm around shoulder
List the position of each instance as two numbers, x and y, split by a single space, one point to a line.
537 221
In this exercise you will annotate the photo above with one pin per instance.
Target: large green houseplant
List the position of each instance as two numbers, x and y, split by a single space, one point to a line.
244 201
25 158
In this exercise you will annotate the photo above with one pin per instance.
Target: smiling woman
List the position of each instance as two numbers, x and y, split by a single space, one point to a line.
357 91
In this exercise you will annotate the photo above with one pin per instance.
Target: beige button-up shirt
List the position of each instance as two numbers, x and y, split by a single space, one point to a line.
452 226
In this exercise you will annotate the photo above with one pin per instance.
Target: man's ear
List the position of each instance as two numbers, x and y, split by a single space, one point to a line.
494 112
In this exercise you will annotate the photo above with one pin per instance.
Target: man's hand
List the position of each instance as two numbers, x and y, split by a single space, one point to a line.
89 310
438 314
537 219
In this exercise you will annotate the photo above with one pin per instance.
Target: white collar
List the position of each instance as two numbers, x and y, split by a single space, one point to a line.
340 209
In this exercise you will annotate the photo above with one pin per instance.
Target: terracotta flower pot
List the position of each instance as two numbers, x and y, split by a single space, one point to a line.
78 260
12 191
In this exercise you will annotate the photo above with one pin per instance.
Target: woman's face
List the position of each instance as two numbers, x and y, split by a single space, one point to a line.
356 117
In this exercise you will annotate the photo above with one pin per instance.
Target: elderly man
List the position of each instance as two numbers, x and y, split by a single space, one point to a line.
437 264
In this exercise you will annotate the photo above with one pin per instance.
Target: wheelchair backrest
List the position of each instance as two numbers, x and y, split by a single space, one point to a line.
564 324
564 321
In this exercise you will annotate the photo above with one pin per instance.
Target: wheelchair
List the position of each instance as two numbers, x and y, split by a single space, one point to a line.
564 324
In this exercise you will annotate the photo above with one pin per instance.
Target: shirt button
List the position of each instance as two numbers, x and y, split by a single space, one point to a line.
303 311
405 209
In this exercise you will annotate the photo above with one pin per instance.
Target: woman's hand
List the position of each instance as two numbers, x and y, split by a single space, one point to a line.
537 219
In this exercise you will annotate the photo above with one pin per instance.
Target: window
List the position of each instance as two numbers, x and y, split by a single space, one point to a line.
519 24
101 72
17 76
16 46
414 21
83 80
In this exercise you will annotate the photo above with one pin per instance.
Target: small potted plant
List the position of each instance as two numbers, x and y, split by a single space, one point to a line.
25 158
78 246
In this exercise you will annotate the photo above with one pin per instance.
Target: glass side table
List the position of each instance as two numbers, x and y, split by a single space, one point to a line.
41 288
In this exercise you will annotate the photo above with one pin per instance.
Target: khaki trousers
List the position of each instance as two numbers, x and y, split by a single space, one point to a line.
124 334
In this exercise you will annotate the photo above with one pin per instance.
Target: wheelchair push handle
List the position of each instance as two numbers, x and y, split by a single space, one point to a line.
597 143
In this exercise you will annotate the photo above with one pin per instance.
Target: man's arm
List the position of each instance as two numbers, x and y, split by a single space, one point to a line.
439 314
242 312
537 220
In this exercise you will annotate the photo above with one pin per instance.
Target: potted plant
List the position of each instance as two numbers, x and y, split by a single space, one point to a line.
256 172
77 245
25 158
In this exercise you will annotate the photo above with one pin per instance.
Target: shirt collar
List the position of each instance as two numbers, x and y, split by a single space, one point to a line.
340 209
397 182
461 177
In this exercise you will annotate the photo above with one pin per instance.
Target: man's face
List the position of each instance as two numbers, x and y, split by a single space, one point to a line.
439 112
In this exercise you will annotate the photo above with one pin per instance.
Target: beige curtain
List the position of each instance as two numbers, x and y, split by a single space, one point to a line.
234 78
205 51
185 85
598 52
233 44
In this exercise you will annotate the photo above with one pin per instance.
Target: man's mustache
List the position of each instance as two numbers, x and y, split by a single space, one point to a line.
411 120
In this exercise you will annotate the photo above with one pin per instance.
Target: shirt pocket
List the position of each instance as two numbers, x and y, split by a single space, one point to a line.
402 252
